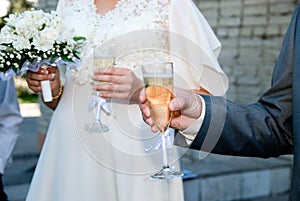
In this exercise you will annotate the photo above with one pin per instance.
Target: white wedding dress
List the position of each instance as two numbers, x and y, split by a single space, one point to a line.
77 165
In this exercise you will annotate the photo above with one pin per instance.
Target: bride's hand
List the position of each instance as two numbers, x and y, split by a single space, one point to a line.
34 79
121 83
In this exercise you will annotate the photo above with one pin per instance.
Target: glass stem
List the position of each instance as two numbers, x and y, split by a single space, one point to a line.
98 110
164 151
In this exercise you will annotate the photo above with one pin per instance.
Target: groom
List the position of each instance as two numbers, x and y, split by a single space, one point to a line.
268 128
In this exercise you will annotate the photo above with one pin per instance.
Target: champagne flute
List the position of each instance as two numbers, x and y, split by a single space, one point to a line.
102 59
158 81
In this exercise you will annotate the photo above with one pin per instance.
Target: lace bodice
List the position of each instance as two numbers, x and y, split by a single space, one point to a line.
128 16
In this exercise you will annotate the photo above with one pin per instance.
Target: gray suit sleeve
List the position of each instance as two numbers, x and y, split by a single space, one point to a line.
261 129
247 130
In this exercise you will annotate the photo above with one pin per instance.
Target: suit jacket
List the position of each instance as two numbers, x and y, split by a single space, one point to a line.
10 120
268 128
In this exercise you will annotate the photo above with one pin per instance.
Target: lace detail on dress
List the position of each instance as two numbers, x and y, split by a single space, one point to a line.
127 20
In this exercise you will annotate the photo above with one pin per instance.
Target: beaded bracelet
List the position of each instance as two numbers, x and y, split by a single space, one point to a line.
59 92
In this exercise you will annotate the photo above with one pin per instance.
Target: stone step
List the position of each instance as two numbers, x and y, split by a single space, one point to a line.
235 178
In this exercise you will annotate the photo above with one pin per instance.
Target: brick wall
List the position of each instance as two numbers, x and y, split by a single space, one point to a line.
251 32
47 5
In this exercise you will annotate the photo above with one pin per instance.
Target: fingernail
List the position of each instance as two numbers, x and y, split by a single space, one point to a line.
51 76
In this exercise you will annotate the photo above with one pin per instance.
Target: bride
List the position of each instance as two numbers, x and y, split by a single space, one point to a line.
78 164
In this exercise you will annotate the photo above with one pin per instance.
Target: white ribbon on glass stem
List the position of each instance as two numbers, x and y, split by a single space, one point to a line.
99 104
169 138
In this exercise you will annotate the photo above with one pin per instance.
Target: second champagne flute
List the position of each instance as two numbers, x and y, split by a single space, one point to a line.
158 81
102 59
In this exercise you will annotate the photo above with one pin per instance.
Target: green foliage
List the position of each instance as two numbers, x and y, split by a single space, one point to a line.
26 97
17 6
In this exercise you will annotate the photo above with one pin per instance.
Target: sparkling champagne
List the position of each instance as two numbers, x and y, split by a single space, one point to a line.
159 94
103 63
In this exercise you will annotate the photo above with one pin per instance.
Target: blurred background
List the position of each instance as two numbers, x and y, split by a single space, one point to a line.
251 32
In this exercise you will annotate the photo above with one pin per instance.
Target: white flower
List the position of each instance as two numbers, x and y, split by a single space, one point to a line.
18 56
5 35
21 27
12 18
37 16
21 43
45 39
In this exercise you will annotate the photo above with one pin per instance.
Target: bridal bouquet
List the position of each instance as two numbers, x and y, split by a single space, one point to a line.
35 39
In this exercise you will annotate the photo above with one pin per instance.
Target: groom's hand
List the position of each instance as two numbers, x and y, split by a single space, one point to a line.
186 108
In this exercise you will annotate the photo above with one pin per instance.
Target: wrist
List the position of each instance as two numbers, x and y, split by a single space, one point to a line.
136 95
192 130
200 105
58 92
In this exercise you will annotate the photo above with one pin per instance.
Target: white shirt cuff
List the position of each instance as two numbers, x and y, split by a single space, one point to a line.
191 132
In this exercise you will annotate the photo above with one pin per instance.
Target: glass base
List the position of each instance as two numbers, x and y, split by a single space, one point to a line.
96 127
167 173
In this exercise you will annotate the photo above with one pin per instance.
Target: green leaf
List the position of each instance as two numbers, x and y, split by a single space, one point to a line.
78 38
65 58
